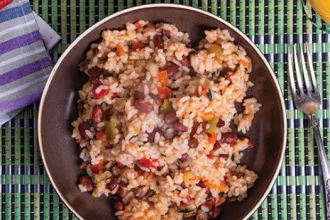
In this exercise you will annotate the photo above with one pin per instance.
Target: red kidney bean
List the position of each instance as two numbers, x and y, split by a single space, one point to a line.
94 71
148 194
184 157
143 106
171 69
96 50
138 94
122 192
158 41
210 201
151 136
194 128
83 126
228 76
228 138
250 144
178 126
220 123
216 145
166 32
185 61
87 183
123 184
119 206
112 184
201 184
156 98
193 142
225 156
83 164
81 108
108 113
103 58
170 118
97 114
96 82
214 213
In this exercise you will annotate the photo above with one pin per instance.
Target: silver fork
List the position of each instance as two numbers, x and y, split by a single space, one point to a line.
307 99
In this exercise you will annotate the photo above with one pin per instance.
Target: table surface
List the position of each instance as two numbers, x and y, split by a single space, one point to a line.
26 192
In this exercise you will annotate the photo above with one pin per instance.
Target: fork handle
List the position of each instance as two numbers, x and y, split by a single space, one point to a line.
324 161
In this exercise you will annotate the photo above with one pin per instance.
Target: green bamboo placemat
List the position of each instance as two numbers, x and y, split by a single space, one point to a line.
26 192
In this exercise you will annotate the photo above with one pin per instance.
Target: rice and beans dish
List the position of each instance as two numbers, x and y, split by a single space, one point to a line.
154 122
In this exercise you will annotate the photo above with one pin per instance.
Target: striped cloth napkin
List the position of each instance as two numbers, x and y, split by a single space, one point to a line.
24 61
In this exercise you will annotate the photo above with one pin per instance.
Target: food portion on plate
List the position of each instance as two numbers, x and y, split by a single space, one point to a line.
154 122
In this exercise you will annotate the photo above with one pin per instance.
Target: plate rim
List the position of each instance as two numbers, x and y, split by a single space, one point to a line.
161 5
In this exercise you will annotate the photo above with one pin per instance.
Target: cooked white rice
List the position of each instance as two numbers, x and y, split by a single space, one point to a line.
162 168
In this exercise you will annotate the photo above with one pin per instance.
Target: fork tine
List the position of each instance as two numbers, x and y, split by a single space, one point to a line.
297 68
311 69
305 72
292 82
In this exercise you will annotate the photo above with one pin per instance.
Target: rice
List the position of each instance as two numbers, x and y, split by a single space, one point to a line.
154 121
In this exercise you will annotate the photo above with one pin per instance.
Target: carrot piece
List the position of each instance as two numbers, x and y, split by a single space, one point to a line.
205 90
150 25
138 45
138 25
163 77
212 138
164 92
101 136
245 63
220 201
221 187
120 51
207 116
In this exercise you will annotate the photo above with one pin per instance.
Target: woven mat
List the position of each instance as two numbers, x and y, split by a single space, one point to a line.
26 192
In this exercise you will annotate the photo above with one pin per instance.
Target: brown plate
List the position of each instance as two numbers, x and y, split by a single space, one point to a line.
58 109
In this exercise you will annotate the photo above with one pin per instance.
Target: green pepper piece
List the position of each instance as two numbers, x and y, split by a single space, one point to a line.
110 130
218 51
166 107
213 125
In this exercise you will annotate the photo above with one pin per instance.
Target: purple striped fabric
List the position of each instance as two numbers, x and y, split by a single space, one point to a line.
24 70
21 102
18 66
20 41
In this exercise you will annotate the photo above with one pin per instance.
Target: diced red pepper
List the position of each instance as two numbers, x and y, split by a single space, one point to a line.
97 167
120 165
101 136
4 3
210 155
164 92
101 94
145 162
138 45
